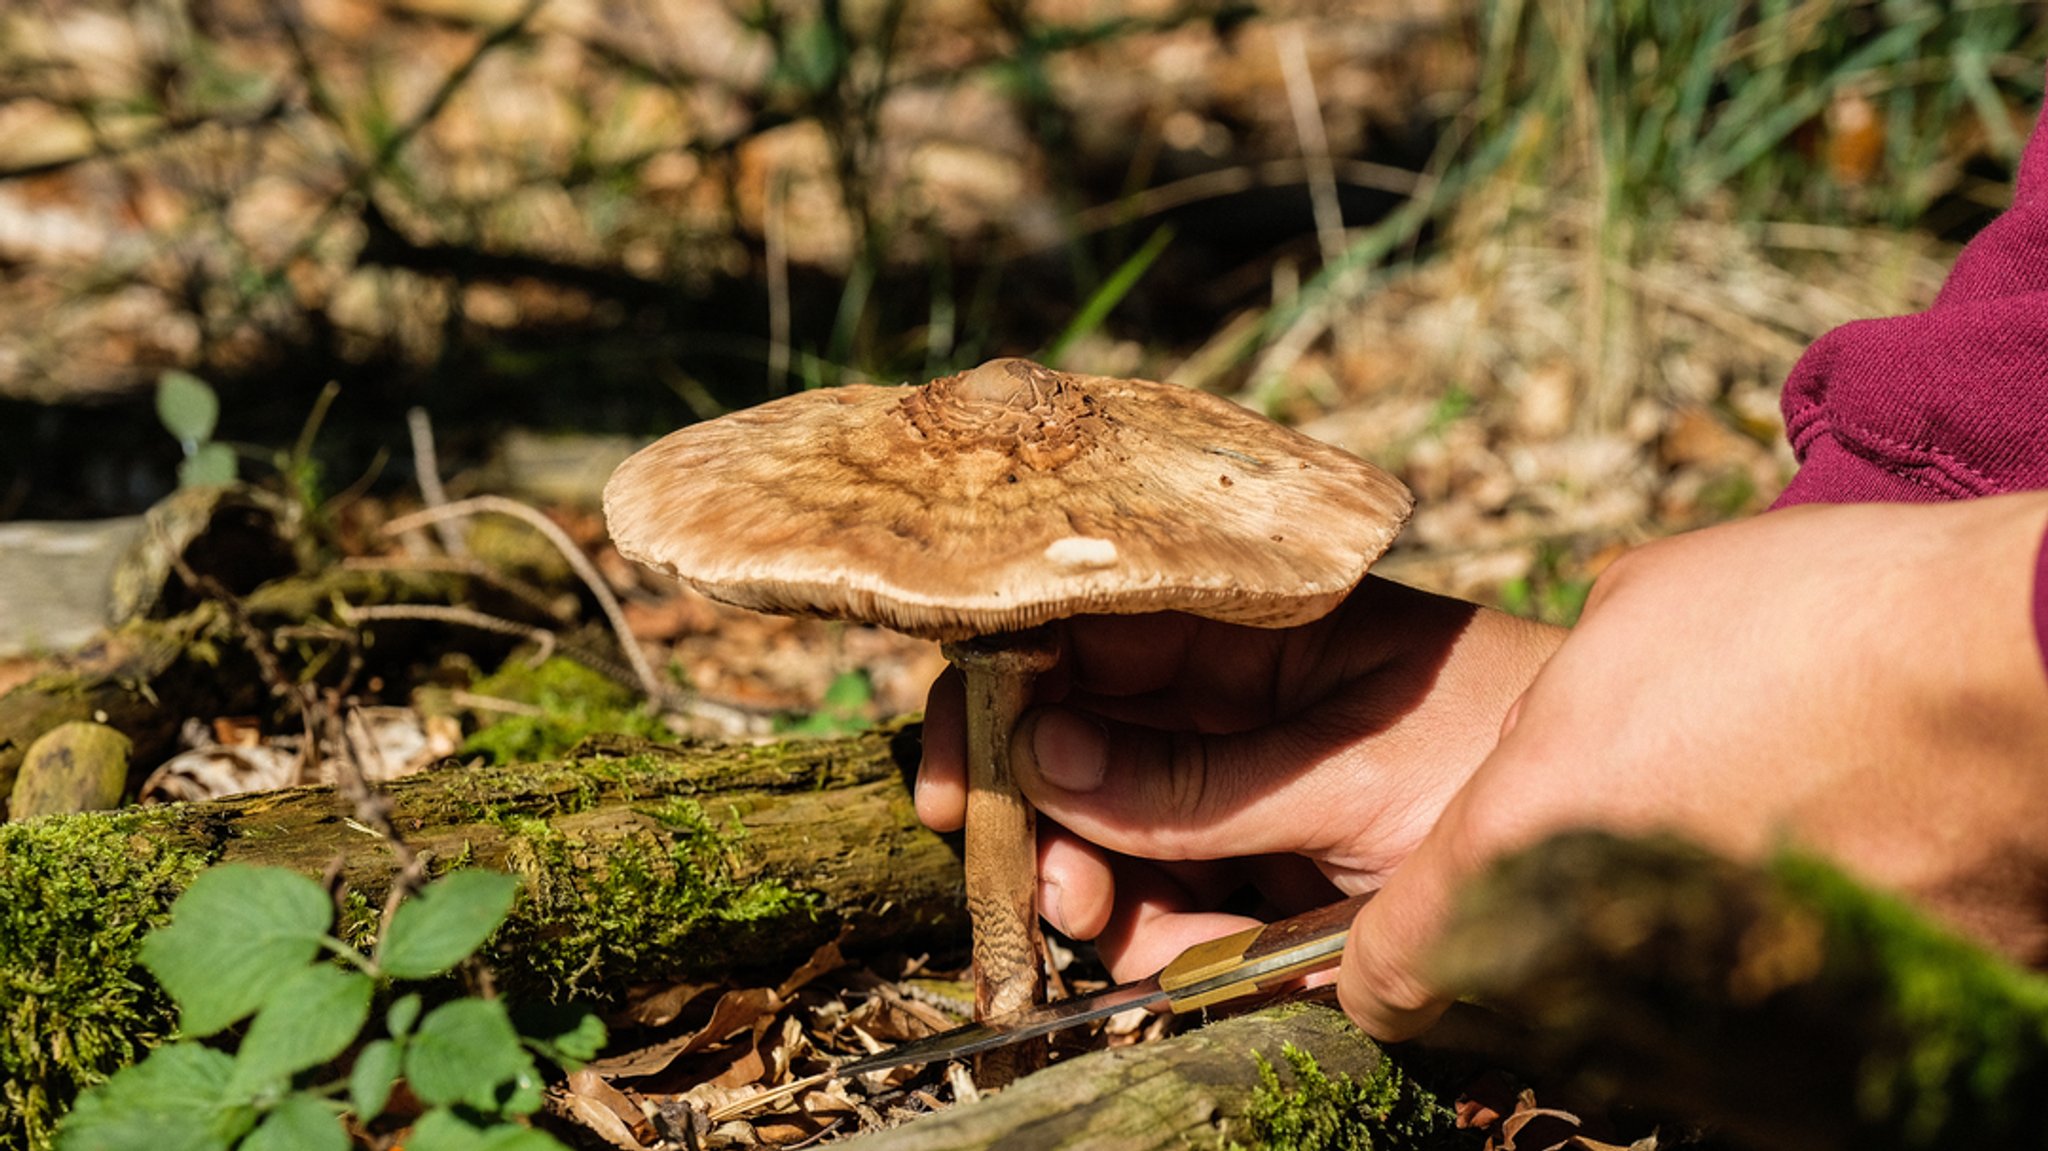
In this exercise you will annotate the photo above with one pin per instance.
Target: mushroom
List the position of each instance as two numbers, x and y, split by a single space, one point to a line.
982 506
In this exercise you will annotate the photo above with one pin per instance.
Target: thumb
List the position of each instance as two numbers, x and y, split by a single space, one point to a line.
1178 795
1384 983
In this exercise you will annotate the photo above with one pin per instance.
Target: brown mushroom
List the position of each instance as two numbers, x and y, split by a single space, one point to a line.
982 505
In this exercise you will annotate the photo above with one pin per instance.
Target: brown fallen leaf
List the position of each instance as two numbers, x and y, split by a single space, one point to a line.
586 1098
660 1006
736 1011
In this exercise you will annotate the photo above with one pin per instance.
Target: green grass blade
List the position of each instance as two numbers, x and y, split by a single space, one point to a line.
1104 299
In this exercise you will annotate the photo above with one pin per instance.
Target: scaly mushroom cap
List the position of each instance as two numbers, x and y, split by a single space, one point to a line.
1002 498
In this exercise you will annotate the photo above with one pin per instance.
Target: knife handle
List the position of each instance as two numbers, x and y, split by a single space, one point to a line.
1264 956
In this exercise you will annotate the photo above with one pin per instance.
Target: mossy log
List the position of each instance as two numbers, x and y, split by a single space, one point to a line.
639 864
147 677
1253 1079
1786 1004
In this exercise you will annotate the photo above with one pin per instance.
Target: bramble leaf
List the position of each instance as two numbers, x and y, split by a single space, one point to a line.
403 1013
311 1018
578 1043
300 1123
235 935
443 1130
464 1052
370 1080
443 924
176 1099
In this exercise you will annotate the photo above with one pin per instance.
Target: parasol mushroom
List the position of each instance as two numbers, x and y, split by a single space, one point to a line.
981 506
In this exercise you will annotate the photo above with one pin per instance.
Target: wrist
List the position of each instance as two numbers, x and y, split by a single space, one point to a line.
1986 678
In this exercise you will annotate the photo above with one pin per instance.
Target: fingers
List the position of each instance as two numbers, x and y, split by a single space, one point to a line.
1177 796
1382 984
1076 885
1152 922
941 793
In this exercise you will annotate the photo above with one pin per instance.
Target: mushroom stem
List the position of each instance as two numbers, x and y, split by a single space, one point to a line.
1002 841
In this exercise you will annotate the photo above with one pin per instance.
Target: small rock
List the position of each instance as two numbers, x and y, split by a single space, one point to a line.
74 767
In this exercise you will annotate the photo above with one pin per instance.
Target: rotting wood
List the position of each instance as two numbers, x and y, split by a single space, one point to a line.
1186 1092
640 863
146 677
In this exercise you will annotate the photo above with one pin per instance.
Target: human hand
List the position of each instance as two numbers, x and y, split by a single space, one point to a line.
1858 681
1186 760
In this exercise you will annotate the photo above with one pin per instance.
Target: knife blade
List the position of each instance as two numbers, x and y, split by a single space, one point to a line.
1245 963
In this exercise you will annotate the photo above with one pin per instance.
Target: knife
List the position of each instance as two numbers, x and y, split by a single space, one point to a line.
1246 963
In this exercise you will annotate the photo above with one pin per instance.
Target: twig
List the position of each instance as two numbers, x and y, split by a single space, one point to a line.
460 616
537 599
427 466
774 224
476 702
578 562
1314 139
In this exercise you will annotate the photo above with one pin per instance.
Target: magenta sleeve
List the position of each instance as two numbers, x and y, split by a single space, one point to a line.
2041 599
1946 404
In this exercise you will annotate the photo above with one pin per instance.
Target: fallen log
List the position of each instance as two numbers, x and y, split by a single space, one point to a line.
640 863
1251 1080
1786 1004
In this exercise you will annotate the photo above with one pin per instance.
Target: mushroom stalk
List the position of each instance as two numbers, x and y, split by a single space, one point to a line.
1002 841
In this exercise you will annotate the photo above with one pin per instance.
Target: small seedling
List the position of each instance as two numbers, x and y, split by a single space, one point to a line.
254 943
190 411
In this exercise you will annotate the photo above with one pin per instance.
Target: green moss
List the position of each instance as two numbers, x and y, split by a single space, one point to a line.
1968 1045
1386 1110
666 899
76 897
575 703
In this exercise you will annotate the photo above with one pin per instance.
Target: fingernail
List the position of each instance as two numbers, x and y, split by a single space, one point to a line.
1051 897
1071 750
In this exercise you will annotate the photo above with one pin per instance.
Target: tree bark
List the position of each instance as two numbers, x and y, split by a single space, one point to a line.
639 863
1193 1090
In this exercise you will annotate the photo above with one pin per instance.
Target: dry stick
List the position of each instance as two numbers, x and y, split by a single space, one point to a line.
1314 140
1322 183
540 601
578 562
460 616
427 465
773 226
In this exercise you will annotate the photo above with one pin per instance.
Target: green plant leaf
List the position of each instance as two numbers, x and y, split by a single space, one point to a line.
312 1017
370 1080
235 935
176 1099
404 1012
463 1053
300 1123
209 464
577 1043
187 406
443 1130
443 924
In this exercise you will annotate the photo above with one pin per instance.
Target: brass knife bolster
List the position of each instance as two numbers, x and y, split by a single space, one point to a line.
1259 958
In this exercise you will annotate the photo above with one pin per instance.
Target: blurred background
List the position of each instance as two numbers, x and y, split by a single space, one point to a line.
1549 260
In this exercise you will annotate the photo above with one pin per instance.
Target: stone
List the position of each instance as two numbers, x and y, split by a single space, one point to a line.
79 766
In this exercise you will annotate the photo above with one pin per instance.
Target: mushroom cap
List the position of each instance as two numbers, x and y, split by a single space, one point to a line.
1004 497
